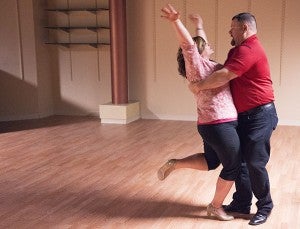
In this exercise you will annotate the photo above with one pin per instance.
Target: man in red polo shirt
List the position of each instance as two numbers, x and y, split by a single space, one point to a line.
248 71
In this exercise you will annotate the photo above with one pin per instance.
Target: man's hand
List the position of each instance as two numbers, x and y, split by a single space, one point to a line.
170 13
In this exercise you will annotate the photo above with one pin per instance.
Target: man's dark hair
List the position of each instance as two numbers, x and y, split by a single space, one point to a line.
246 18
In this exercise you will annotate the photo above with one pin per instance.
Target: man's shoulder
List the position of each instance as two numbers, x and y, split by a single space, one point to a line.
241 49
250 42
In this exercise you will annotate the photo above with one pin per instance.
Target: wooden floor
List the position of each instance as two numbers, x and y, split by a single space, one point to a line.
74 172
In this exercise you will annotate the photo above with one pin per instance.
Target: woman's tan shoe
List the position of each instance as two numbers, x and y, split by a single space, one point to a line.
219 213
166 169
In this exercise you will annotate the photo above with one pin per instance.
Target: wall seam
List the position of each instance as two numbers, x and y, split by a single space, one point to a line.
154 42
282 38
20 40
216 29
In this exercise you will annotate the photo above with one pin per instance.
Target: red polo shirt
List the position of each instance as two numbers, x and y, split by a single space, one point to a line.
253 86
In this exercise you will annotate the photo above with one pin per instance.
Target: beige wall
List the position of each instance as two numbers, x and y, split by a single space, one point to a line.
154 80
25 76
82 73
18 79
39 80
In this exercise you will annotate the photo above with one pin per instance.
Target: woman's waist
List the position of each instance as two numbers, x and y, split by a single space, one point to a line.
208 113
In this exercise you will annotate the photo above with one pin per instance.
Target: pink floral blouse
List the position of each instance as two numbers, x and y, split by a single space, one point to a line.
213 105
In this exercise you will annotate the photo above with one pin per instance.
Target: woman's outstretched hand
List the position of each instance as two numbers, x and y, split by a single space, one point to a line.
196 20
169 13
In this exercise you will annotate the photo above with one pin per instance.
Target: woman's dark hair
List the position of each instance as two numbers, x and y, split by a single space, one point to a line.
200 42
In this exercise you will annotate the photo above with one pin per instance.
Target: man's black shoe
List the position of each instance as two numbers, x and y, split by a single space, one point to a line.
233 208
258 219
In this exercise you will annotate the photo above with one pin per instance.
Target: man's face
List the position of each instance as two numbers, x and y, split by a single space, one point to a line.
236 32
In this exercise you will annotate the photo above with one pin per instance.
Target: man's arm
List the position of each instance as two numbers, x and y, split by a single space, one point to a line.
216 79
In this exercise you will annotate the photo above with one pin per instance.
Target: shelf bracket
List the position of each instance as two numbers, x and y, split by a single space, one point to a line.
94 45
93 11
65 45
65 30
92 29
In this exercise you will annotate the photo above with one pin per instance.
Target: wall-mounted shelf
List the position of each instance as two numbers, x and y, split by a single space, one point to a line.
67 10
67 44
68 28
78 26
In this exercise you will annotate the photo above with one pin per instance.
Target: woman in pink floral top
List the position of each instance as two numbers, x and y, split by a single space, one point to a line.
216 105
217 116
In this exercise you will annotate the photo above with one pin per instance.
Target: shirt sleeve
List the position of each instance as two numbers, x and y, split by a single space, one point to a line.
240 60
194 63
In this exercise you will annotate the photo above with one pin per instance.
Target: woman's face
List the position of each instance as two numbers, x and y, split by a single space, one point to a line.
208 51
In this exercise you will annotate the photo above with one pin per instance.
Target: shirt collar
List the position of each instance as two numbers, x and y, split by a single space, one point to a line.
249 39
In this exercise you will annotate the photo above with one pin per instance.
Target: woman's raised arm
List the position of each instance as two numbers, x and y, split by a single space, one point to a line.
170 13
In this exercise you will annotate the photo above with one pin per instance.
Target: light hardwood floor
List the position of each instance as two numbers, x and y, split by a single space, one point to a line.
74 172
